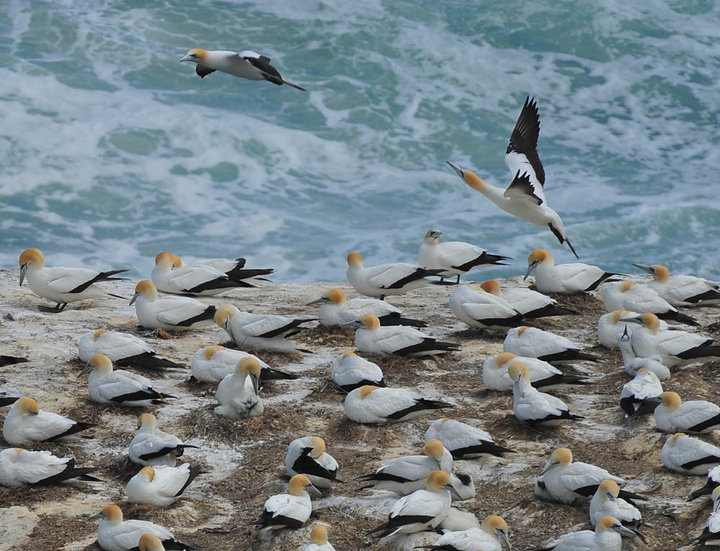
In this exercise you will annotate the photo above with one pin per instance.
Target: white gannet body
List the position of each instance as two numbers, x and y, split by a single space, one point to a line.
123 349
542 374
19 467
26 424
210 364
543 345
349 371
688 455
370 404
711 534
642 394
237 393
290 510
385 279
606 537
534 407
168 312
713 481
114 534
633 363
161 485
397 339
152 447
674 415
464 441
307 456
607 501
575 277
475 307
336 310
492 535
640 298
529 303
682 290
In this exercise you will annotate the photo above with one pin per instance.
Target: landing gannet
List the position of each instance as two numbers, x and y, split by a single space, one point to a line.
674 415
307 456
529 303
397 339
148 542
524 197
543 345
637 297
492 535
120 387
575 277
26 424
475 307
454 257
168 312
370 404
211 363
713 481
152 447
642 394
349 371
534 407
237 393
606 537
318 540
290 510
688 455
464 441
123 349
633 363
336 310
682 290
542 374
62 285
19 467
116 535
246 64
385 279
161 485
607 501
710 536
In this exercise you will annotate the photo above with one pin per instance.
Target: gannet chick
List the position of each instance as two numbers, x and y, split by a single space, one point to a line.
682 290
397 339
570 278
120 387
307 456
642 394
633 364
160 485
492 535
674 415
637 297
62 285
713 481
237 394
152 447
475 307
464 441
688 455
246 64
543 345
529 303
148 542
349 371
26 424
534 407
542 374
19 467
170 313
290 510
370 404
114 534
318 540
123 349
211 363
336 310
606 501
606 537
385 279
456 258
710 536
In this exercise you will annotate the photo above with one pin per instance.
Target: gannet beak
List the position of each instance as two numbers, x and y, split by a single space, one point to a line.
87 369
23 271
647 269
531 268
132 300
459 171
548 467
505 539
352 324
255 382
453 491
314 490
637 320
188 57
630 531
96 516
318 301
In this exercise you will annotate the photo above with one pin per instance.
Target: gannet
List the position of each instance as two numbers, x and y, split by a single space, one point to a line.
575 277
475 307
289 510
674 415
123 349
160 485
688 455
397 339
152 447
534 407
606 537
62 285
259 331
237 393
234 269
148 542
611 329
114 534
607 501
370 404
385 279
26 424
637 297
524 198
19 467
307 456
168 312
336 310
246 64
350 371
456 258
120 387
682 290
633 363
318 540
543 345
710 536
211 363
464 441
542 374
492 535
642 394
529 303
713 481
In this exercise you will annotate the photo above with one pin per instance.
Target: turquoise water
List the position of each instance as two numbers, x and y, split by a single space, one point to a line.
111 150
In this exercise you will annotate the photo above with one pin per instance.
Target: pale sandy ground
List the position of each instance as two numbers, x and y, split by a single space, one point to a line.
244 459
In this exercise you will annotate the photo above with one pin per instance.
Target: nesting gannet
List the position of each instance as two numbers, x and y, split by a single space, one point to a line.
475 307
120 387
26 424
168 312
19 467
385 279
543 345
152 447
123 349
349 371
423 509
211 363
397 339
642 394
454 257
148 542
674 415
713 481
62 285
370 404
259 331
237 393
529 303
464 441
637 297
492 535
307 456
246 64
633 363
606 537
524 198
710 536
336 310
688 455
114 534
318 540
575 277
607 501
542 374
289 510
160 485
234 269
682 290
534 407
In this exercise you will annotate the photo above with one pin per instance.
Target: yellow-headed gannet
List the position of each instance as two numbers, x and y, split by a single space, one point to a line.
543 345
475 307
318 540
168 312
606 537
153 447
237 393
688 455
633 363
19 467
575 277
211 363
336 310
642 394
464 441
674 415
607 501
290 510
492 535
148 542
638 297
123 349
370 404
397 339
682 290
349 371
160 485
26 424
234 269
542 374
386 279
529 303
307 456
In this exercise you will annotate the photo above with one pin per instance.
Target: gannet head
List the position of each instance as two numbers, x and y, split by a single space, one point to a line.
99 333
318 447
146 289
609 489
671 399
147 421
491 286
112 513
437 480
537 257
177 261
26 406
298 483
435 449
560 456
469 177
608 523
250 366
148 542
354 260
148 472
100 362
164 259
370 321
496 525
195 54
319 535
518 370
366 390
432 236
503 358
30 258
209 351
224 314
